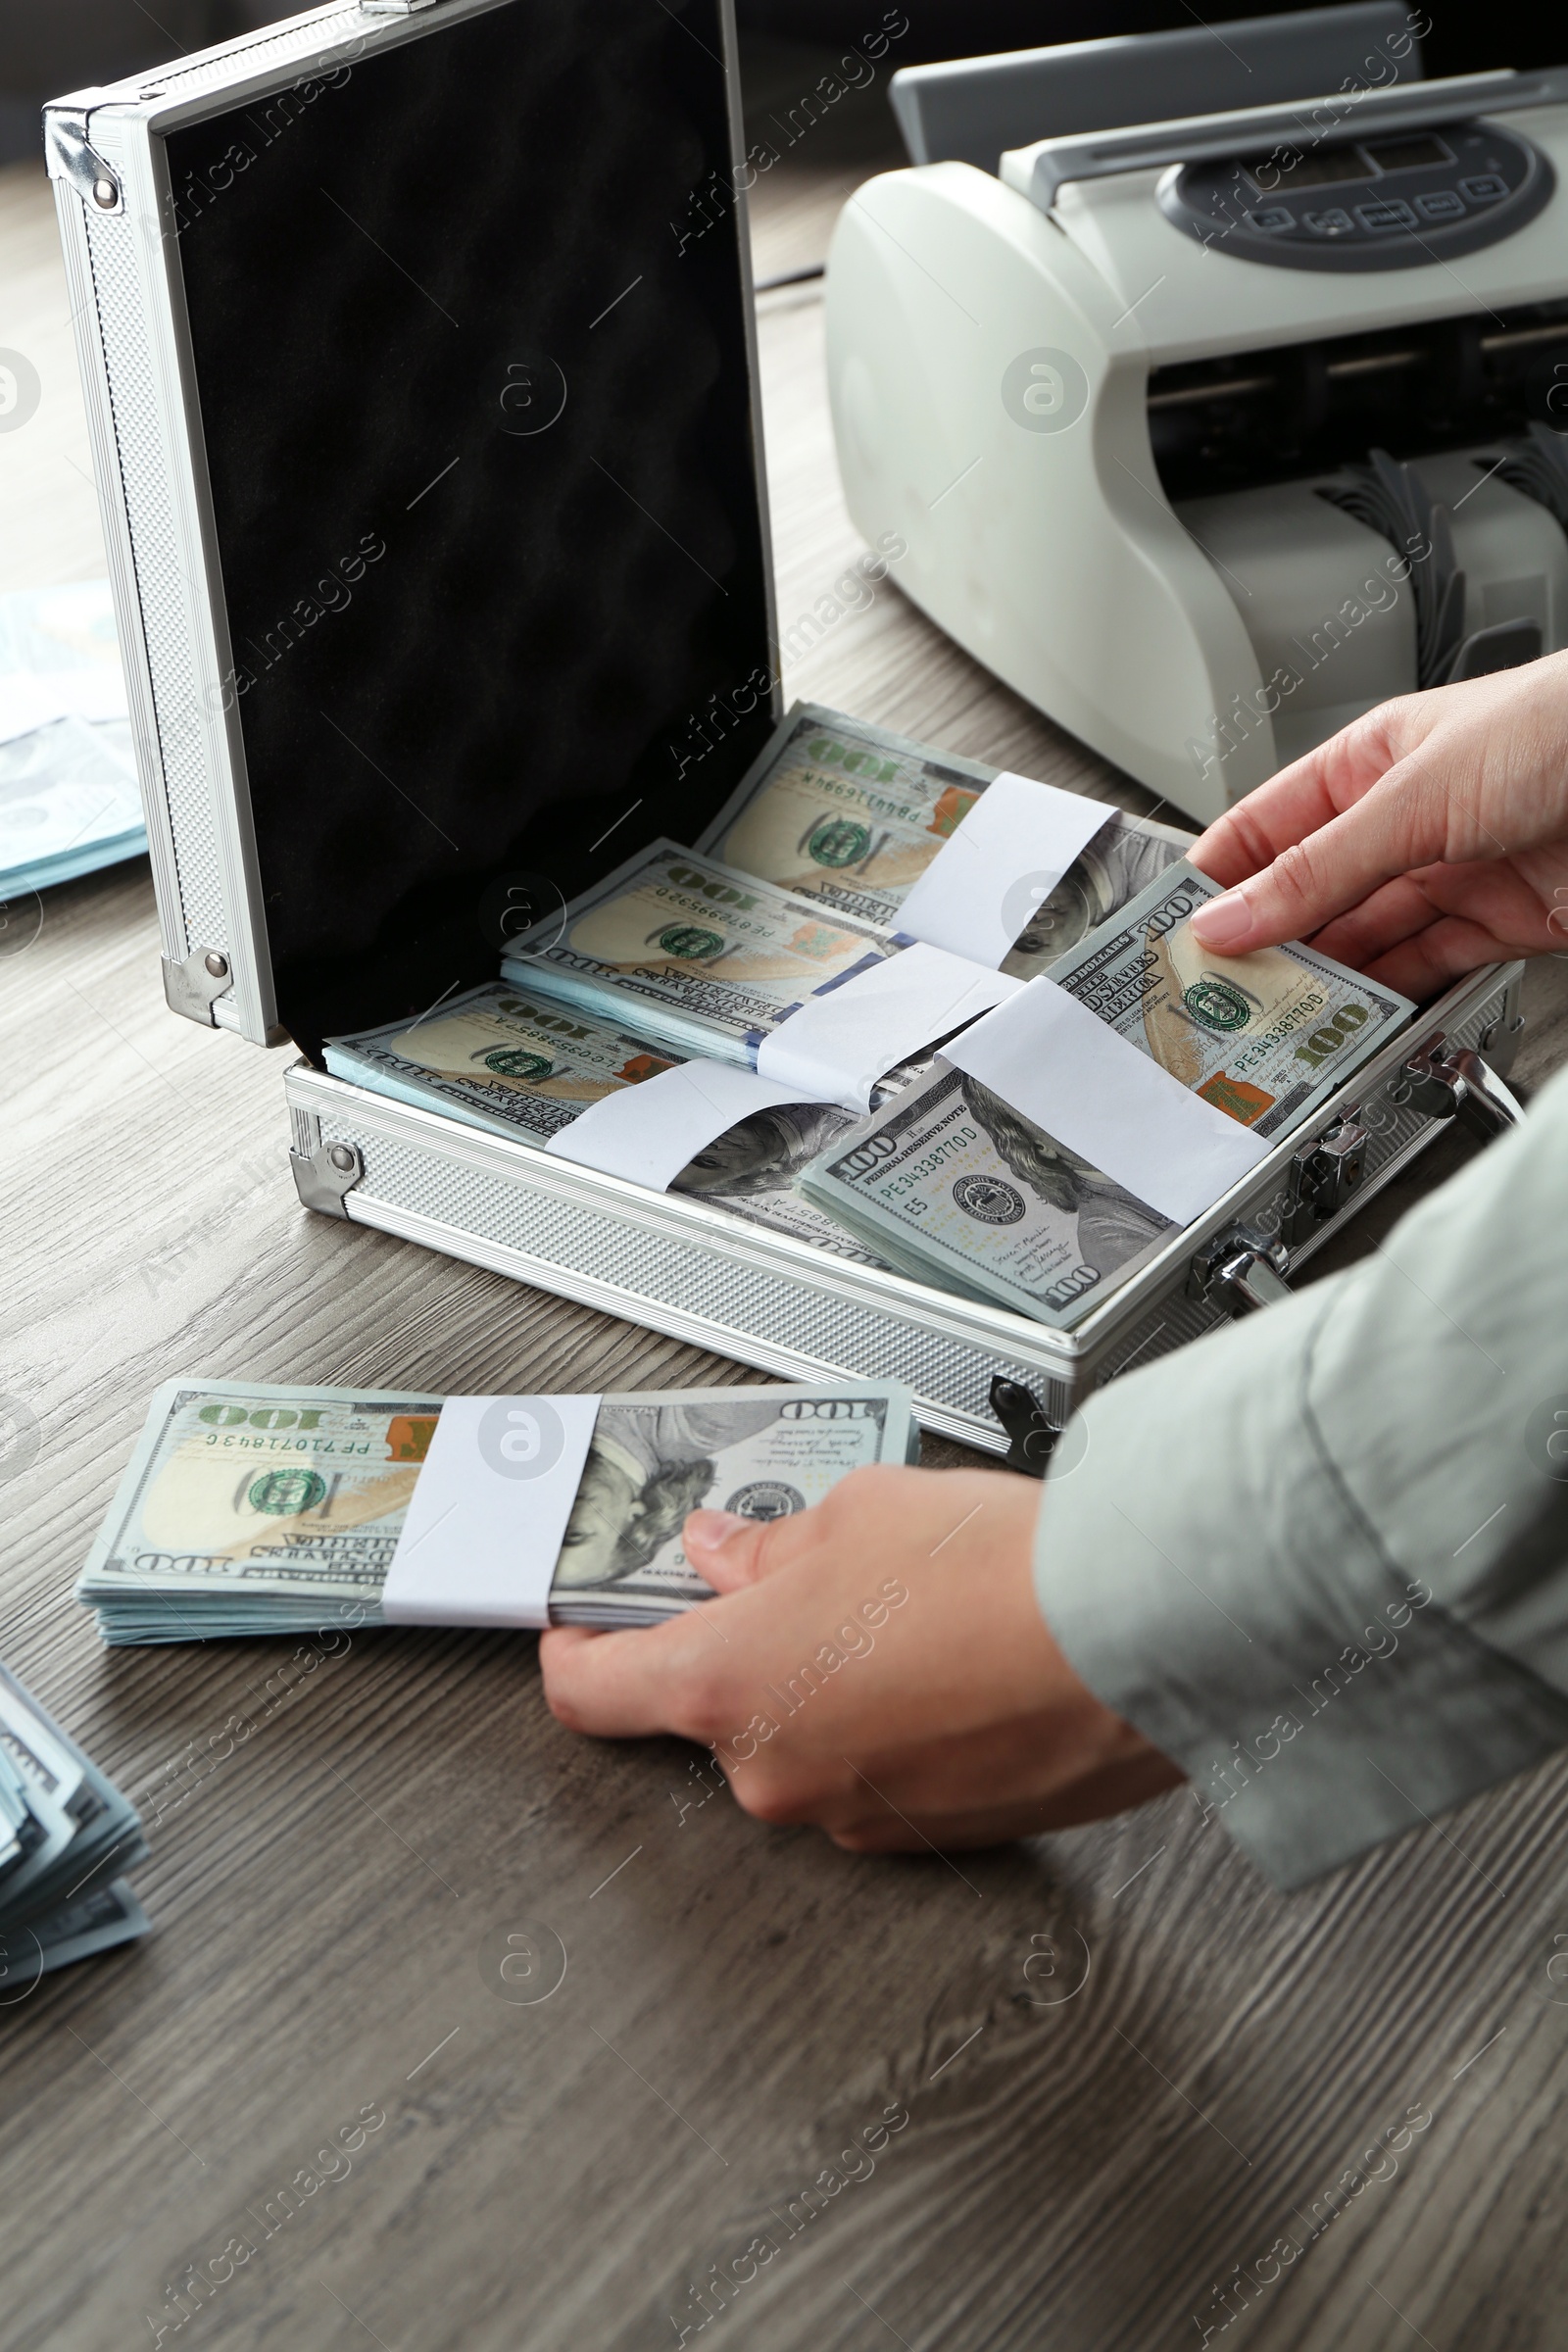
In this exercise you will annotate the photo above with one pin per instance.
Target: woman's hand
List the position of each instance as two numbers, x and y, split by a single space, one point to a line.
1421 842
877 1665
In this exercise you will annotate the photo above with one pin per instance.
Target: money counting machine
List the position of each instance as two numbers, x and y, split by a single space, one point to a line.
1209 433
429 459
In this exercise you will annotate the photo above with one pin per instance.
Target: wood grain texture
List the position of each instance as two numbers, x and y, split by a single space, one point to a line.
1127 2066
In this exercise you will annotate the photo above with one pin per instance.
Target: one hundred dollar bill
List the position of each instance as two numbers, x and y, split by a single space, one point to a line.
251 1508
755 1170
764 1453
498 1060
46 1781
697 957
1124 858
851 815
1263 1037
953 1185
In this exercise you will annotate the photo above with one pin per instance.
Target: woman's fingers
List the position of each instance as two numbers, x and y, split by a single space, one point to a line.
876 1664
1385 919
1251 835
728 1551
1303 797
1445 951
1399 824
1464 776
627 1686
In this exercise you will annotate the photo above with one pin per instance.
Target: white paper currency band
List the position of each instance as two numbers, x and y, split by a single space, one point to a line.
837 1047
1001 862
648 1132
1071 1074
483 1531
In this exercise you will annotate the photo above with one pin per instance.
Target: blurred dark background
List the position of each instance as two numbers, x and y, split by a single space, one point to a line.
51 46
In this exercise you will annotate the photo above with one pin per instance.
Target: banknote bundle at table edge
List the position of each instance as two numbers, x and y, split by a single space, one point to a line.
1007 1164
68 1836
255 1508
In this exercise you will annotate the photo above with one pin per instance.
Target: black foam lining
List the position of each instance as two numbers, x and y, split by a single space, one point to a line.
390 275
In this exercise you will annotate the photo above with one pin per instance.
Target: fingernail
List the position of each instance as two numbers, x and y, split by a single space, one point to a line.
714 1528
1220 922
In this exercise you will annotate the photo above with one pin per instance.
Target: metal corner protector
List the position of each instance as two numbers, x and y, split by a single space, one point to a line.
323 1177
192 988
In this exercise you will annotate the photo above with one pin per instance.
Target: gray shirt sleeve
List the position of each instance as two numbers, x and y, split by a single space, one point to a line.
1320 1557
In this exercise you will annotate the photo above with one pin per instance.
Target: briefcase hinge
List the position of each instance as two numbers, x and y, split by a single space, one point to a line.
1456 1084
1324 1174
323 1177
193 987
69 155
1239 1271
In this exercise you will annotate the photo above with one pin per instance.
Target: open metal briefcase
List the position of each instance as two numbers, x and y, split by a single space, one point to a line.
419 362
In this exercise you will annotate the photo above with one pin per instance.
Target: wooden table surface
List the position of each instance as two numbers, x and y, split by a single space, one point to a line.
1108 2067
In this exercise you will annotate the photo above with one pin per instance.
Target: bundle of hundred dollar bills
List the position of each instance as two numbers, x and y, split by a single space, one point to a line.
839 820
67 1838
250 1509
832 860
953 1183
797 887
507 1060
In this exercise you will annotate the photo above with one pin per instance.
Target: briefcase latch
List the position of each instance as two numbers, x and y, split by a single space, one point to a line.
1031 1438
1324 1174
1239 1271
1456 1084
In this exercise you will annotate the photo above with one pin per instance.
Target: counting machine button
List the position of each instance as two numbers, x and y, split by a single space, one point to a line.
1444 204
1484 188
1334 222
1391 213
1272 216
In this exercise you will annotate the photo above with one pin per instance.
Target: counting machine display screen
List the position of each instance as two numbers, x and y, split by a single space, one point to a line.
1395 203
1325 167
471 345
1336 165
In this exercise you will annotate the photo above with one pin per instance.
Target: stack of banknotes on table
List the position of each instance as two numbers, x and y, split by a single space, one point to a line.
799 886
249 1508
66 1838
69 797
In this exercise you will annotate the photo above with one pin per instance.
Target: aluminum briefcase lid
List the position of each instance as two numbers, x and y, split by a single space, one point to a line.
419 353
